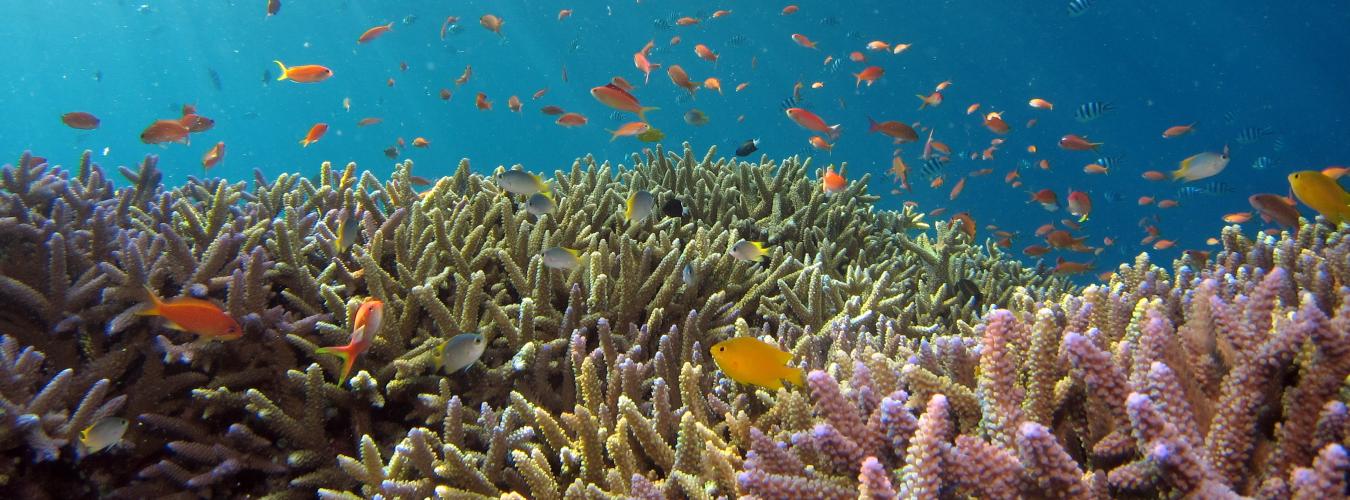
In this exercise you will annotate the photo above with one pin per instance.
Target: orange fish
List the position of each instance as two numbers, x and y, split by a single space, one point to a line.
820 143
564 14
705 53
571 120
464 77
1044 164
900 171
1093 168
162 131
629 129
641 62
613 96
831 182
513 104
856 56
720 13
681 79
196 123
389 82
1066 267
552 110
492 23
1079 204
1178 131
1039 103
213 156
687 21
713 84
368 121
482 103
1237 217
994 122
1047 198
1167 203
675 40
1073 142
445 94
540 93
967 223
308 73
80 120
1145 200
314 134
364 328
1031 148
741 86
420 142
445 26
932 100
898 130
1035 250
1154 175
812 122
1163 244
273 7
970 110
620 82
789 10
374 33
982 172
803 41
191 315
943 86
956 190
869 74
878 45
900 47
937 212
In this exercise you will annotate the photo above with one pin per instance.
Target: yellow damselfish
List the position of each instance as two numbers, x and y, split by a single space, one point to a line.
751 361
1322 193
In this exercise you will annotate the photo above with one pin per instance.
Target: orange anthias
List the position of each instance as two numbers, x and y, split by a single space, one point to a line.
641 62
811 121
374 33
309 73
314 134
869 74
613 96
832 182
364 328
198 316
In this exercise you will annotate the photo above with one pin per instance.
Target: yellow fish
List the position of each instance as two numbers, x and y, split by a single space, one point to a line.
1322 193
750 361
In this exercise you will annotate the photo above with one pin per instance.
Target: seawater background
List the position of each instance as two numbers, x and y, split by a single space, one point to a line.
1277 65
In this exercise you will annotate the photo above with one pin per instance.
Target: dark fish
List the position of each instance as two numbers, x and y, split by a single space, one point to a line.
391 152
674 208
1252 134
1277 145
215 78
829 21
1079 7
1092 111
748 147
855 35
737 40
98 75
971 291
1229 117
932 168
615 116
1113 196
833 66
409 19
791 102
661 24
1110 162
1211 188
267 77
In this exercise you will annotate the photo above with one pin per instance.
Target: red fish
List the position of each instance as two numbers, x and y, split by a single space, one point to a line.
1073 142
191 315
832 182
213 156
812 122
162 131
803 41
364 328
1047 198
481 102
641 62
895 129
314 134
869 74
613 96
994 122
374 33
492 23
80 120
1080 204
308 73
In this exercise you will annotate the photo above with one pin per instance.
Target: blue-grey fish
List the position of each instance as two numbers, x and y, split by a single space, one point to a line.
103 434
1262 163
638 206
1092 111
829 21
539 204
1212 188
696 117
1252 134
214 77
1079 7
562 258
1230 117
1277 145
349 230
737 40
689 275
267 77
460 352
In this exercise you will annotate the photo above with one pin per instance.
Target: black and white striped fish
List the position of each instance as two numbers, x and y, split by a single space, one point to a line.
1229 117
1278 144
1092 111
933 168
737 40
1250 135
1211 188
1262 163
1079 7
1110 162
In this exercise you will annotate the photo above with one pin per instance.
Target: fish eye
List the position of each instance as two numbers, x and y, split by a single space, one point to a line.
721 349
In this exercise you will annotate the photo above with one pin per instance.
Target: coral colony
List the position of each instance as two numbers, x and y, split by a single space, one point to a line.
935 367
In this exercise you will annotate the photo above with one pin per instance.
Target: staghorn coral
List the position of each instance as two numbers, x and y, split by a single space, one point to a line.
596 382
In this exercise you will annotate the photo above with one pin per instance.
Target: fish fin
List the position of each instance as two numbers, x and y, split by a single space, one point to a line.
573 251
439 362
796 376
1180 173
834 131
924 104
344 352
642 112
155 304
1083 219
174 326
283 70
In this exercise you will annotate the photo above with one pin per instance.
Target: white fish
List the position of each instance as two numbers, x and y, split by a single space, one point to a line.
748 250
1201 166
103 434
521 182
562 258
689 275
460 352
539 204
639 206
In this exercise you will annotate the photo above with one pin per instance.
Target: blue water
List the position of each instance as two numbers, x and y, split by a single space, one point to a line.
1266 64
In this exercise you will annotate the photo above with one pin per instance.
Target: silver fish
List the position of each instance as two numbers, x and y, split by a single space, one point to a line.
748 250
562 258
1079 7
638 206
460 352
103 434
539 204
521 182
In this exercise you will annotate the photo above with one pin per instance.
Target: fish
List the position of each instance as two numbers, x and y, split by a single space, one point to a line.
820 143
705 53
1251 135
465 76
196 123
420 142
80 120
628 129
652 134
162 131
1237 217
273 7
897 130
869 74
213 156
745 250
314 134
971 291
307 73
737 40
1178 131
1039 103
832 182
1092 110
1201 166
518 181
712 83
561 258
643 64
539 204
552 110
789 10
638 206
1067 267
201 317
613 96
748 360
365 326
368 121
689 275
748 148
1079 204
513 104
450 25
674 208
459 352
681 79
1262 163
695 117
492 23
104 434
1212 188
571 119
348 230
374 33
812 122
803 41
994 122
1274 207
481 102
933 167
1073 142
931 100
214 78
1321 193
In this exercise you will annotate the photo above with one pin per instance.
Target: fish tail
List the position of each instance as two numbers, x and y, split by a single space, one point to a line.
1096 146
872 125
344 352
155 304
1179 173
642 112
834 131
920 96
796 376
283 70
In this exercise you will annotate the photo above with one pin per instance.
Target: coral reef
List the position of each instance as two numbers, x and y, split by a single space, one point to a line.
1214 379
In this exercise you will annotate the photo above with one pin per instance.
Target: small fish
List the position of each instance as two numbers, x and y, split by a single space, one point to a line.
832 182
1092 110
273 7
162 131
562 258
931 100
748 360
628 129
1277 145
368 121
459 352
365 326
689 275
1251 135
191 315
80 120
213 156
1080 205
803 41
674 208
1039 103
971 291
214 78
869 74
1073 142
1200 166
348 230
518 181
749 250
812 122
314 134
747 148
696 117
1178 131
1079 7
933 168
897 130
420 142
652 134
481 102
492 23
374 33
104 434
613 96
638 206
539 204
571 119
1262 163
1274 207
308 73
1321 193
